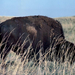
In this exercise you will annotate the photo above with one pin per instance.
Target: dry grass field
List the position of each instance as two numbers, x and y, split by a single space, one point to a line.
14 66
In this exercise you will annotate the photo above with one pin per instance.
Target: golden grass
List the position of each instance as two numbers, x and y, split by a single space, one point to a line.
14 66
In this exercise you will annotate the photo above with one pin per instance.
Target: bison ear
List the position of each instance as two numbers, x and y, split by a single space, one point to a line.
58 22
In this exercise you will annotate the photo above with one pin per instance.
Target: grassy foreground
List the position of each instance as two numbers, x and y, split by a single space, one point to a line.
14 66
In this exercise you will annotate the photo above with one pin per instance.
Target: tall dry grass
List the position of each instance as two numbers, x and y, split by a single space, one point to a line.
14 66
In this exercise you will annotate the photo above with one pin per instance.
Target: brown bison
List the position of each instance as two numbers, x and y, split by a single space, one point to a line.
38 28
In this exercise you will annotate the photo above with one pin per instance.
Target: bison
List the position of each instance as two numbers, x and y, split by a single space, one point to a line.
37 28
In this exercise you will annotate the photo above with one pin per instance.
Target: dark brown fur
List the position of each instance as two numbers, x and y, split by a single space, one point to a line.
37 27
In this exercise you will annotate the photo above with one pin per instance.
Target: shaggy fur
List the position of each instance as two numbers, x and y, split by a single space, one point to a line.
39 28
